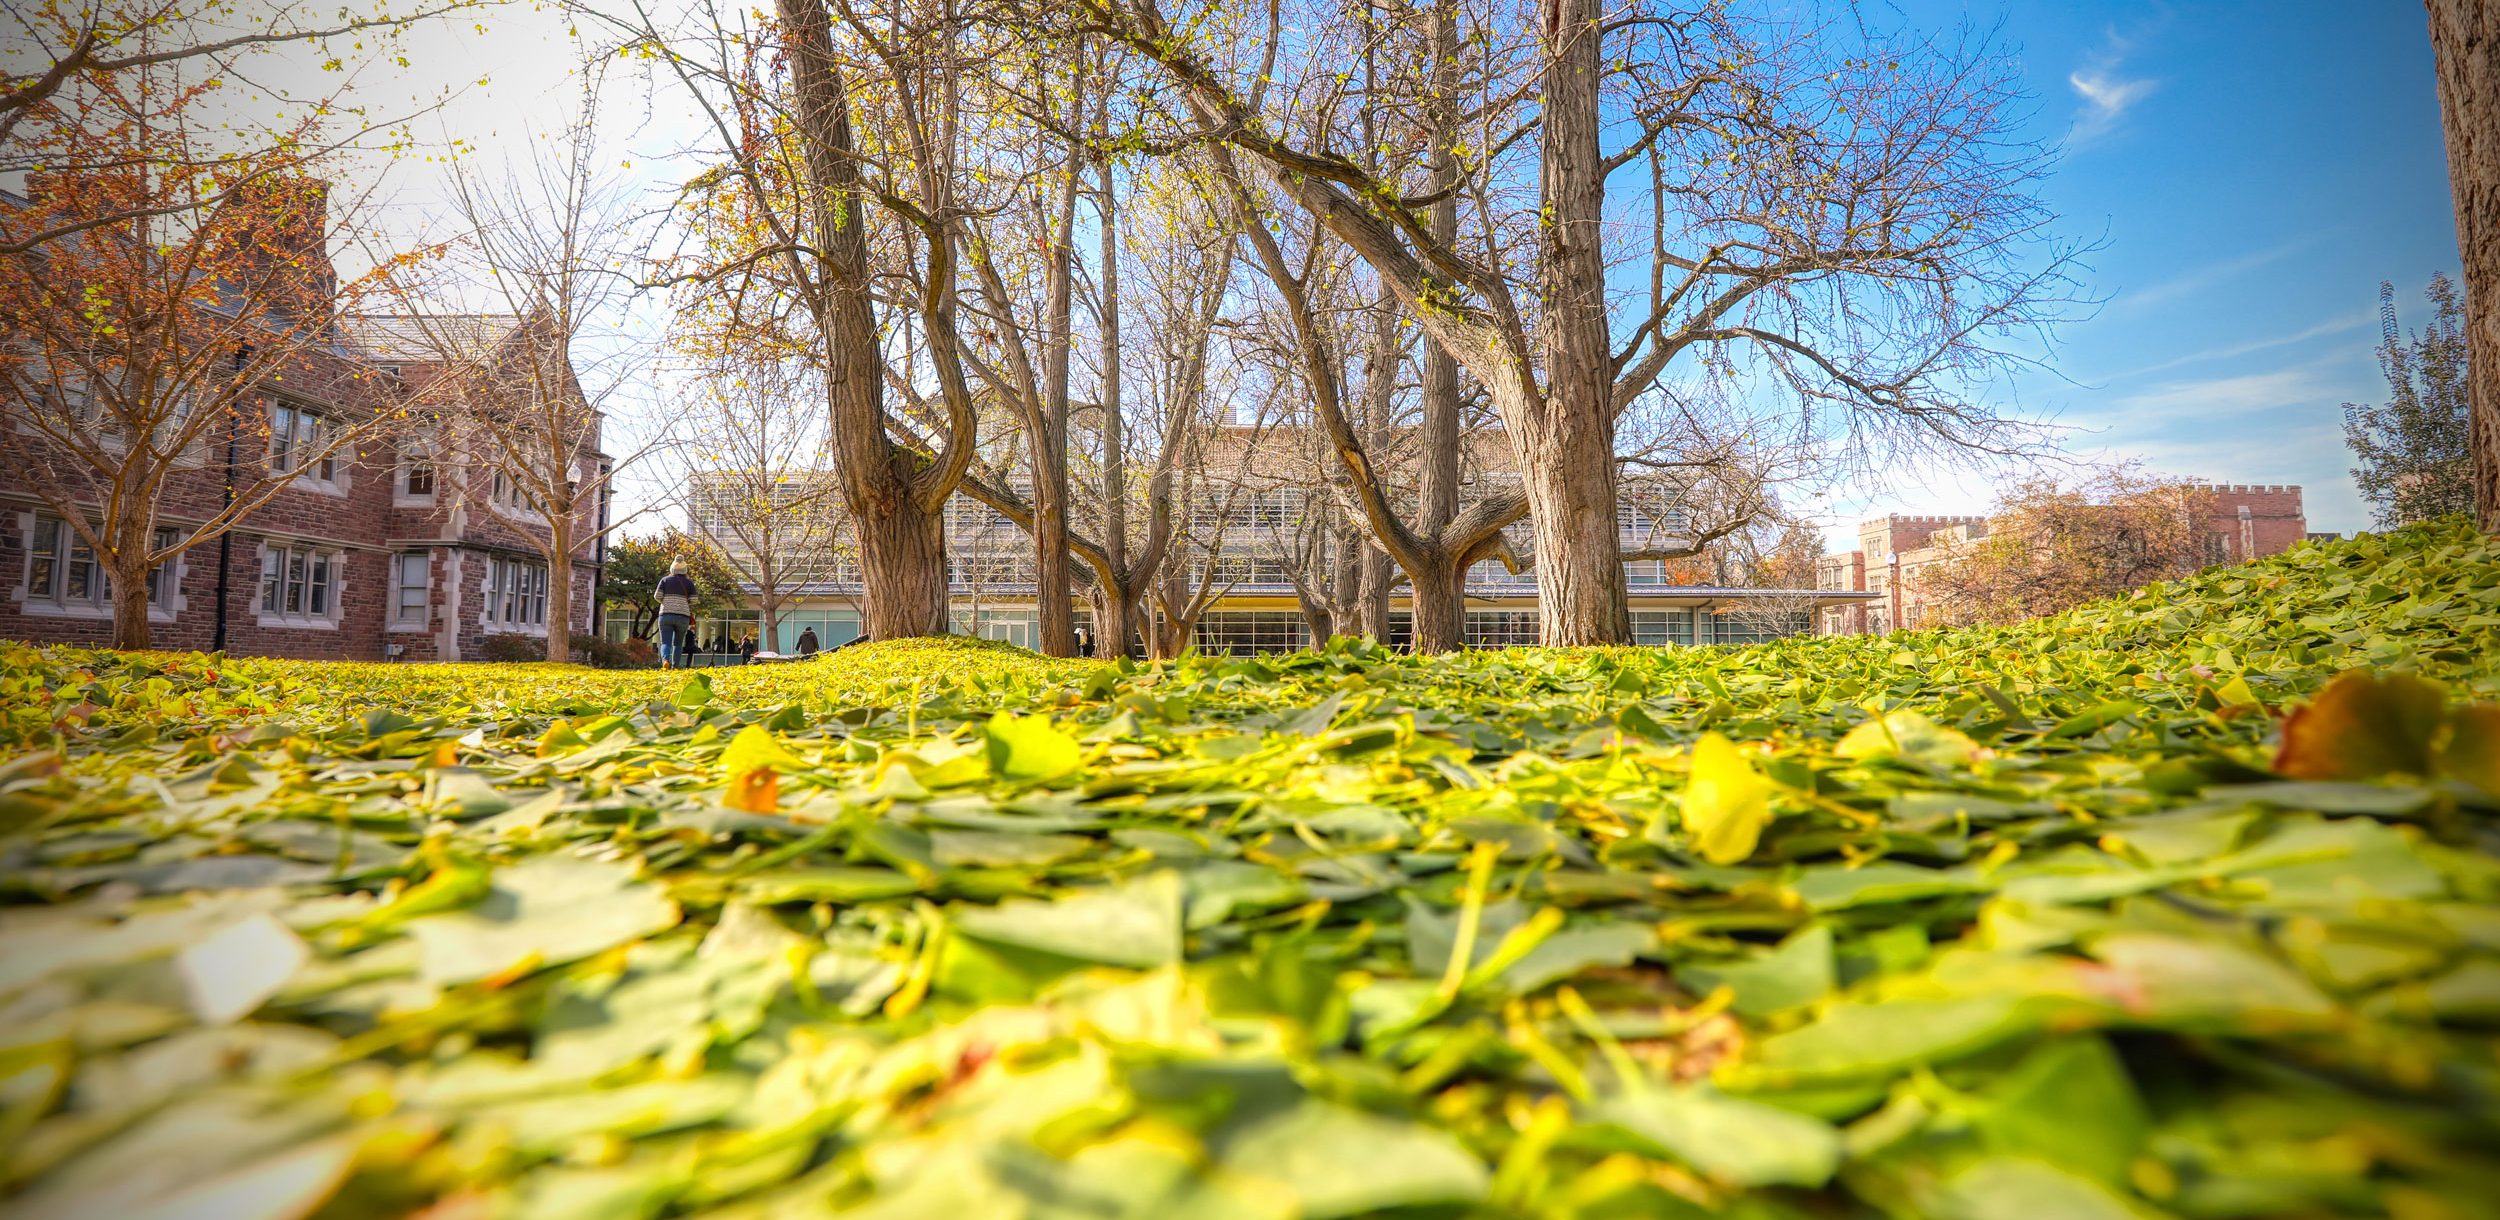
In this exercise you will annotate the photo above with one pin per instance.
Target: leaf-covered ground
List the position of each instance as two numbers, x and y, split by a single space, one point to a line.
2046 922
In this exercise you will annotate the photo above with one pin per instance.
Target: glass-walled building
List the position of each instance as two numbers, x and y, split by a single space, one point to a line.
1241 527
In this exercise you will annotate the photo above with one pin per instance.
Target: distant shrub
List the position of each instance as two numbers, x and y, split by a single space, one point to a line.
591 650
510 648
602 653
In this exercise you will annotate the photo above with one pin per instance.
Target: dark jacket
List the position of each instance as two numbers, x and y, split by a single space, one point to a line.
807 642
677 584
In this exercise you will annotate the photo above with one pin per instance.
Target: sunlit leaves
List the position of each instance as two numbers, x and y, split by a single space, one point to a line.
1968 923
754 762
1029 747
1726 802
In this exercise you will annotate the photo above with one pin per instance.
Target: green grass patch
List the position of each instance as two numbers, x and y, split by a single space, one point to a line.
2053 920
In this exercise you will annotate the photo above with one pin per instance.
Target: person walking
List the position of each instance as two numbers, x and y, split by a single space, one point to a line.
746 651
676 614
807 643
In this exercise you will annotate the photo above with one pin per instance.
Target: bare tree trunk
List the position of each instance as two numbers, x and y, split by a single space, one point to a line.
1438 580
1377 574
1439 592
130 602
1118 612
1343 560
1167 639
902 532
1121 592
2465 45
902 564
559 594
1566 450
1050 445
1317 616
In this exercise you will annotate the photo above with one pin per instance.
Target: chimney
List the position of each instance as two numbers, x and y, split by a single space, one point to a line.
281 230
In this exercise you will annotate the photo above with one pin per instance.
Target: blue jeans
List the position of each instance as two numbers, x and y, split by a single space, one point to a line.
674 629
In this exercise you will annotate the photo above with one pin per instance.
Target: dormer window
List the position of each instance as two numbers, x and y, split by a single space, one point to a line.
414 481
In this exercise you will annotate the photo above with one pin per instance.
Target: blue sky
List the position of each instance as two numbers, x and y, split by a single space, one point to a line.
2253 170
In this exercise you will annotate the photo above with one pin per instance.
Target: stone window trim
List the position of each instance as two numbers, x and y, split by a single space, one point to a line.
413 460
393 622
78 409
335 592
508 505
163 610
341 460
501 564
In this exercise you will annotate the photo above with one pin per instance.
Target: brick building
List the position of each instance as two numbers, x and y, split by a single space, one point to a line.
376 551
2241 521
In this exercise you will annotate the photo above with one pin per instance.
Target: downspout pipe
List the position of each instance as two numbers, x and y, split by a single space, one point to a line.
599 560
225 537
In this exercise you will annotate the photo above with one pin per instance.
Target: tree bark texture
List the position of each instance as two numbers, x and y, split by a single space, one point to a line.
1566 450
1049 445
2465 47
1439 592
130 608
560 590
1119 615
902 533
902 563
1378 574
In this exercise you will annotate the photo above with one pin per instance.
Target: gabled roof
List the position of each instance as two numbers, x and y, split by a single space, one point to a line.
420 339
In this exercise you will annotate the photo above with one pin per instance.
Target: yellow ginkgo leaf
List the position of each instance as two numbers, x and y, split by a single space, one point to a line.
1907 734
1726 802
754 761
2235 693
559 739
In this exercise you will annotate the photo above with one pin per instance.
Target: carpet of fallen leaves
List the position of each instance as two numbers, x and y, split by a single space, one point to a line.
2182 904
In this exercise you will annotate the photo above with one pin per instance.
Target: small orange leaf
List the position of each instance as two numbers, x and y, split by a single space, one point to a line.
2363 726
2472 750
446 754
756 791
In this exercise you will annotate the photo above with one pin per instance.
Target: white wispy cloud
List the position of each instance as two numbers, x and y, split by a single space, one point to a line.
2106 91
2332 326
2169 404
2197 279
2106 99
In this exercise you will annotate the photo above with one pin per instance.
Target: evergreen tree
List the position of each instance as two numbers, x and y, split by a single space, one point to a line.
2411 450
635 566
